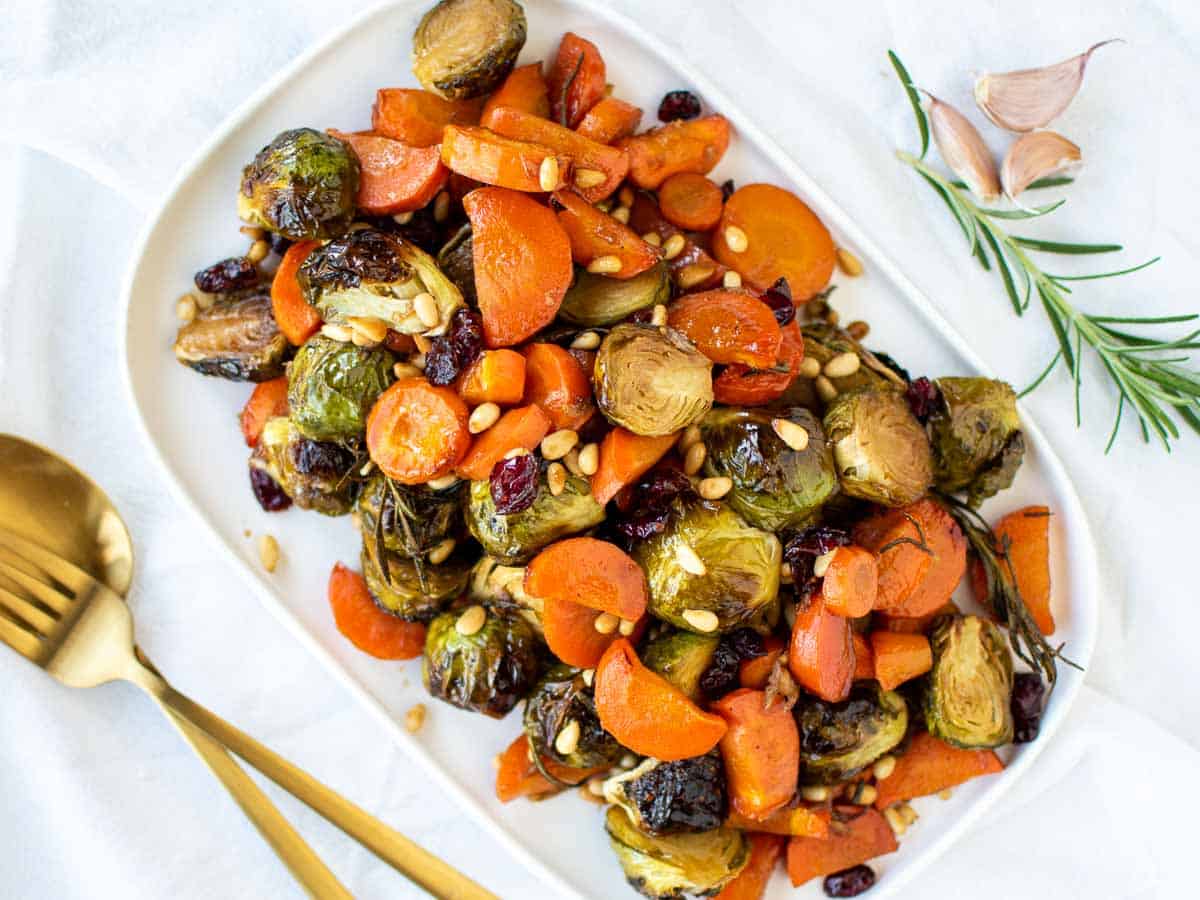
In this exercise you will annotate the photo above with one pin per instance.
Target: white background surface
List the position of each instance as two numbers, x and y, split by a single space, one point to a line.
101 103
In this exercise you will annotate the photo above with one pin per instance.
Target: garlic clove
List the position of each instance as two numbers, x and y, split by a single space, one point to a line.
1030 98
962 147
1036 155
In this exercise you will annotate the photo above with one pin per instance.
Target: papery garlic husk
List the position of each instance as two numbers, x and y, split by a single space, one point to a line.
1031 98
962 147
1039 154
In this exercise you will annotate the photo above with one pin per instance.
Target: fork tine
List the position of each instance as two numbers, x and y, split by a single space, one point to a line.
18 638
41 591
27 612
67 574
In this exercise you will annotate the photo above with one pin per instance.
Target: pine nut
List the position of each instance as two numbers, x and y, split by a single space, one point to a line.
693 274
483 417
373 330
863 794
441 207
497 762
604 205
185 308
809 367
258 251
402 218
548 174
589 459
595 785
791 434
735 239
842 365
825 389
556 478
414 718
515 452
567 739
472 619
204 300
895 820
907 813
359 339
558 444
785 571
628 761
674 246
858 329
814 793
702 620
571 461
268 552
688 560
884 767
626 627
419 362
606 623
588 676
694 458
588 178
849 263
604 265
658 316
253 232
945 795
423 344
440 484
653 238
821 563
690 436
337 333
367 467
731 280
441 551
621 214
406 370
426 309
588 340
625 195
715 488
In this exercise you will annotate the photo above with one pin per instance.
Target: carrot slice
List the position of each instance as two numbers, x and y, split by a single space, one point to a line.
821 654
522 261
899 657
741 385
417 117
1027 532
576 80
594 233
695 145
864 659
365 625
592 573
570 632
864 837
295 317
754 673
496 376
691 201
556 382
761 751
522 427
525 89
751 882
929 766
416 431
645 217
517 776
625 457
394 177
809 821
881 621
268 400
488 158
728 327
610 120
851 582
648 714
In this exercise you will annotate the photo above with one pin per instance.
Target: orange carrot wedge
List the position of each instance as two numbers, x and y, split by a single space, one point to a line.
929 766
691 201
821 654
523 89
595 234
851 582
416 431
394 177
576 80
496 376
365 625
557 383
863 838
488 158
571 635
751 882
268 400
625 457
523 427
610 120
899 657
806 821
741 385
1027 532
695 146
761 751
592 573
295 317
728 327
416 118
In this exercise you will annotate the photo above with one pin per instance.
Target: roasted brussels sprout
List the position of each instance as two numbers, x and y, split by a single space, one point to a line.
315 474
975 432
672 797
969 690
675 865
235 338
301 185
740 583
426 517
682 658
333 385
503 587
413 588
597 300
456 260
377 275
651 381
488 671
560 697
839 740
515 538
465 48
774 486
880 449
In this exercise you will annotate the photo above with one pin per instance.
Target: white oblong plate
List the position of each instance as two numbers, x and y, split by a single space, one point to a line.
189 424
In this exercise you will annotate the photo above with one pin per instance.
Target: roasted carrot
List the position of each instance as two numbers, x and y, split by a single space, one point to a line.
522 427
929 766
576 80
556 382
695 145
728 327
645 218
295 317
488 158
522 264
592 573
691 201
625 457
909 624
754 673
417 117
761 751
821 654
570 632
610 120
751 882
394 177
809 821
864 660
496 376
851 582
863 838
740 385
648 714
517 776
416 431
524 88
1026 533
266 401
595 234
783 239
899 657
365 625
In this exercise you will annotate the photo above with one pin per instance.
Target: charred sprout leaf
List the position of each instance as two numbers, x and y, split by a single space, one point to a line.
976 437
596 301
315 474
672 866
682 658
562 696
235 338
672 797
465 48
839 740
410 587
333 385
415 518
969 691
488 671
652 381
301 185
456 260
503 587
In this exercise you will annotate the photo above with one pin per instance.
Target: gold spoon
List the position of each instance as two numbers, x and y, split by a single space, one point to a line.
66 559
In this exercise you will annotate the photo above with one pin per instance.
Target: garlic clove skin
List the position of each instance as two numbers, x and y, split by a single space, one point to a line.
963 150
1038 154
1032 98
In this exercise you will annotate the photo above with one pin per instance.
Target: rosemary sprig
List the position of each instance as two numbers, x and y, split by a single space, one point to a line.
1153 376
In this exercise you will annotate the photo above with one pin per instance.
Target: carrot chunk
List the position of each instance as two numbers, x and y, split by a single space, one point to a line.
592 573
268 400
365 625
741 385
751 882
571 635
517 776
496 376
899 657
863 838
489 158
864 659
821 654
610 120
523 427
1027 533
394 177
691 201
851 582
557 383
416 431
625 457
595 234
576 80
524 89
929 766
728 327
417 118
808 821
754 673
295 317
761 751
696 145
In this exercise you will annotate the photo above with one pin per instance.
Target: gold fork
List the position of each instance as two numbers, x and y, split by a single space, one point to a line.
81 632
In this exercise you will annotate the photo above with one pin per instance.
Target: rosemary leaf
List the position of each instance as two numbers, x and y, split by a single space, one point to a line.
1100 275
1046 371
1022 213
1062 247
914 99
1005 272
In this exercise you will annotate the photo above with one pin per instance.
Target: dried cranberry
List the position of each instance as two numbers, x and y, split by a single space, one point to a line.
267 492
458 348
727 188
514 484
1026 704
231 274
678 105
647 505
279 243
779 297
721 676
849 882
321 458
441 362
923 396
801 550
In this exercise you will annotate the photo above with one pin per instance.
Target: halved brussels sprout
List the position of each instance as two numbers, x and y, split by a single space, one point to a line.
595 301
426 517
376 274
503 587
968 694
675 865
740 583
681 657
774 486
465 48
514 539
672 797
456 260
413 588
235 338
301 185
333 385
488 671
880 449
315 474
562 696
651 381
839 740
976 437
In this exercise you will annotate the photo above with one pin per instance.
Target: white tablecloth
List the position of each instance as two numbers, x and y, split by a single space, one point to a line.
100 104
